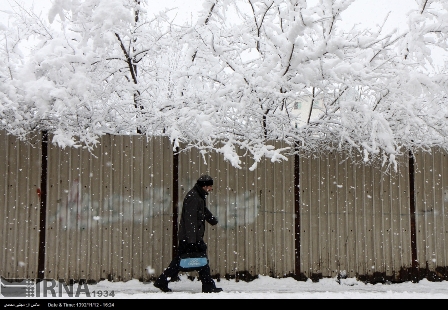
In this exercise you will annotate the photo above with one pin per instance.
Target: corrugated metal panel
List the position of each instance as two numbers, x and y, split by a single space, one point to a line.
255 209
431 192
19 205
355 219
109 211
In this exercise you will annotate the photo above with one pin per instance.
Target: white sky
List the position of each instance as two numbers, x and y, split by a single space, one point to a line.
184 6
361 11
368 12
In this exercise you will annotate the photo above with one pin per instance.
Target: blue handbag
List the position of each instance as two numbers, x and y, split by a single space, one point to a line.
193 261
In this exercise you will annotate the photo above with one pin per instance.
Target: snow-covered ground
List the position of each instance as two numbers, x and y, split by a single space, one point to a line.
262 288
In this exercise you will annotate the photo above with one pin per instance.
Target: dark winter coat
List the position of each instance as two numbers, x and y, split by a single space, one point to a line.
193 218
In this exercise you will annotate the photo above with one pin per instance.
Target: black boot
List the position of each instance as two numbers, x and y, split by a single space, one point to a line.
211 289
162 285
208 285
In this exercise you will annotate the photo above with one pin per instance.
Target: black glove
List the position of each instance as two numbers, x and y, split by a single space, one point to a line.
192 248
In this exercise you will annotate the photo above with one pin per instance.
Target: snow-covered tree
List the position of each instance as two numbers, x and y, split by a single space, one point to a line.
272 53
95 71
228 82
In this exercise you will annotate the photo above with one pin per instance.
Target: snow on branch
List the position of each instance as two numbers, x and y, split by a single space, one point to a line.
262 71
